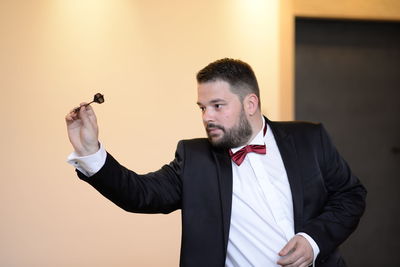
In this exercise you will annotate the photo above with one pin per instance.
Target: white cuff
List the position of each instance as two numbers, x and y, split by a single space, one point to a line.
313 245
88 165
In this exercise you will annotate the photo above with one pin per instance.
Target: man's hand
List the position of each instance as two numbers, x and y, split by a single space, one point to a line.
297 253
83 131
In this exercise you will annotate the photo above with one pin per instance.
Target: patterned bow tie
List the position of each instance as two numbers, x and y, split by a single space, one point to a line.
238 156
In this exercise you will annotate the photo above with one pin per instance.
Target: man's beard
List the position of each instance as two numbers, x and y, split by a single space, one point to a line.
237 136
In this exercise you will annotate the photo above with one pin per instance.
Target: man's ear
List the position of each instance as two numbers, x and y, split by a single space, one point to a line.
250 103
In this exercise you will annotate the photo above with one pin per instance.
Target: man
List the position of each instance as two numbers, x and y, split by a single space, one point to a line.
255 193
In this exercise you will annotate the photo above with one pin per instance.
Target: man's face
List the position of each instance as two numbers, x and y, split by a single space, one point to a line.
223 115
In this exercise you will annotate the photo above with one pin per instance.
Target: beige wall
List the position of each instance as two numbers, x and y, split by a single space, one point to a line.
349 9
286 61
143 55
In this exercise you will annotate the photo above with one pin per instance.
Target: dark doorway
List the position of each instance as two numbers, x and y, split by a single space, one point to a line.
348 77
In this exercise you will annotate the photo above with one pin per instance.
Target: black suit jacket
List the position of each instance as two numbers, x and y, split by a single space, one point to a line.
328 200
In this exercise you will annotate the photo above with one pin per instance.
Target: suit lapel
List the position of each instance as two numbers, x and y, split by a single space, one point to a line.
287 148
224 169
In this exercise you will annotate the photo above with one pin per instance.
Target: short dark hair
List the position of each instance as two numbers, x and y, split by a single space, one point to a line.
237 73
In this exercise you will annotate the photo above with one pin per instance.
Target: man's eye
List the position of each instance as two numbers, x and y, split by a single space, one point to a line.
202 108
218 106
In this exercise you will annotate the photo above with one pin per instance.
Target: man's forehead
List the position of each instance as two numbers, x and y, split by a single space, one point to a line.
216 88
214 92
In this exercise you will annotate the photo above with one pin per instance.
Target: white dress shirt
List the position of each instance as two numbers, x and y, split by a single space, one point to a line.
262 208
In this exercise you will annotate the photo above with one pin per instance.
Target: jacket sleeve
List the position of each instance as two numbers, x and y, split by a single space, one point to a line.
345 202
155 192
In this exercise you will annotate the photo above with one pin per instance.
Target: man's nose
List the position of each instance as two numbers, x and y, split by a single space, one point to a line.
208 115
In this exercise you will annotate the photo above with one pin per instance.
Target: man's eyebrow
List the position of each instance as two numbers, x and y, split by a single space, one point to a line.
217 100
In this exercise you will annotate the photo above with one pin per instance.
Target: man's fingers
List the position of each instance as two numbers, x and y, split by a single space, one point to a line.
91 114
298 263
83 114
290 259
288 253
305 264
288 247
296 253
72 115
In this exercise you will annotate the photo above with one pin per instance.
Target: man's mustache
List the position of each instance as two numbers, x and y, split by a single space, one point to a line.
211 126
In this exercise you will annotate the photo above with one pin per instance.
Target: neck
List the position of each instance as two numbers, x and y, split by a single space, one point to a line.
256 122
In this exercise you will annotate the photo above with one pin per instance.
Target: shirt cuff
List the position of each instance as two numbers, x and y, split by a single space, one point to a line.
88 165
313 245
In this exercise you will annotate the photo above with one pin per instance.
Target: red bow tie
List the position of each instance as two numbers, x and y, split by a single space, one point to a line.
238 156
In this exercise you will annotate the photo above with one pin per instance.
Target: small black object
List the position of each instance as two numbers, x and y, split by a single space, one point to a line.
98 98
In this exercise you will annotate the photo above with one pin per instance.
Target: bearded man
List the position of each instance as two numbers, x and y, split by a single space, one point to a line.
254 193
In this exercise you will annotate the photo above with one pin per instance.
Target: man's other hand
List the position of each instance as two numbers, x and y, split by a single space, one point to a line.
297 253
